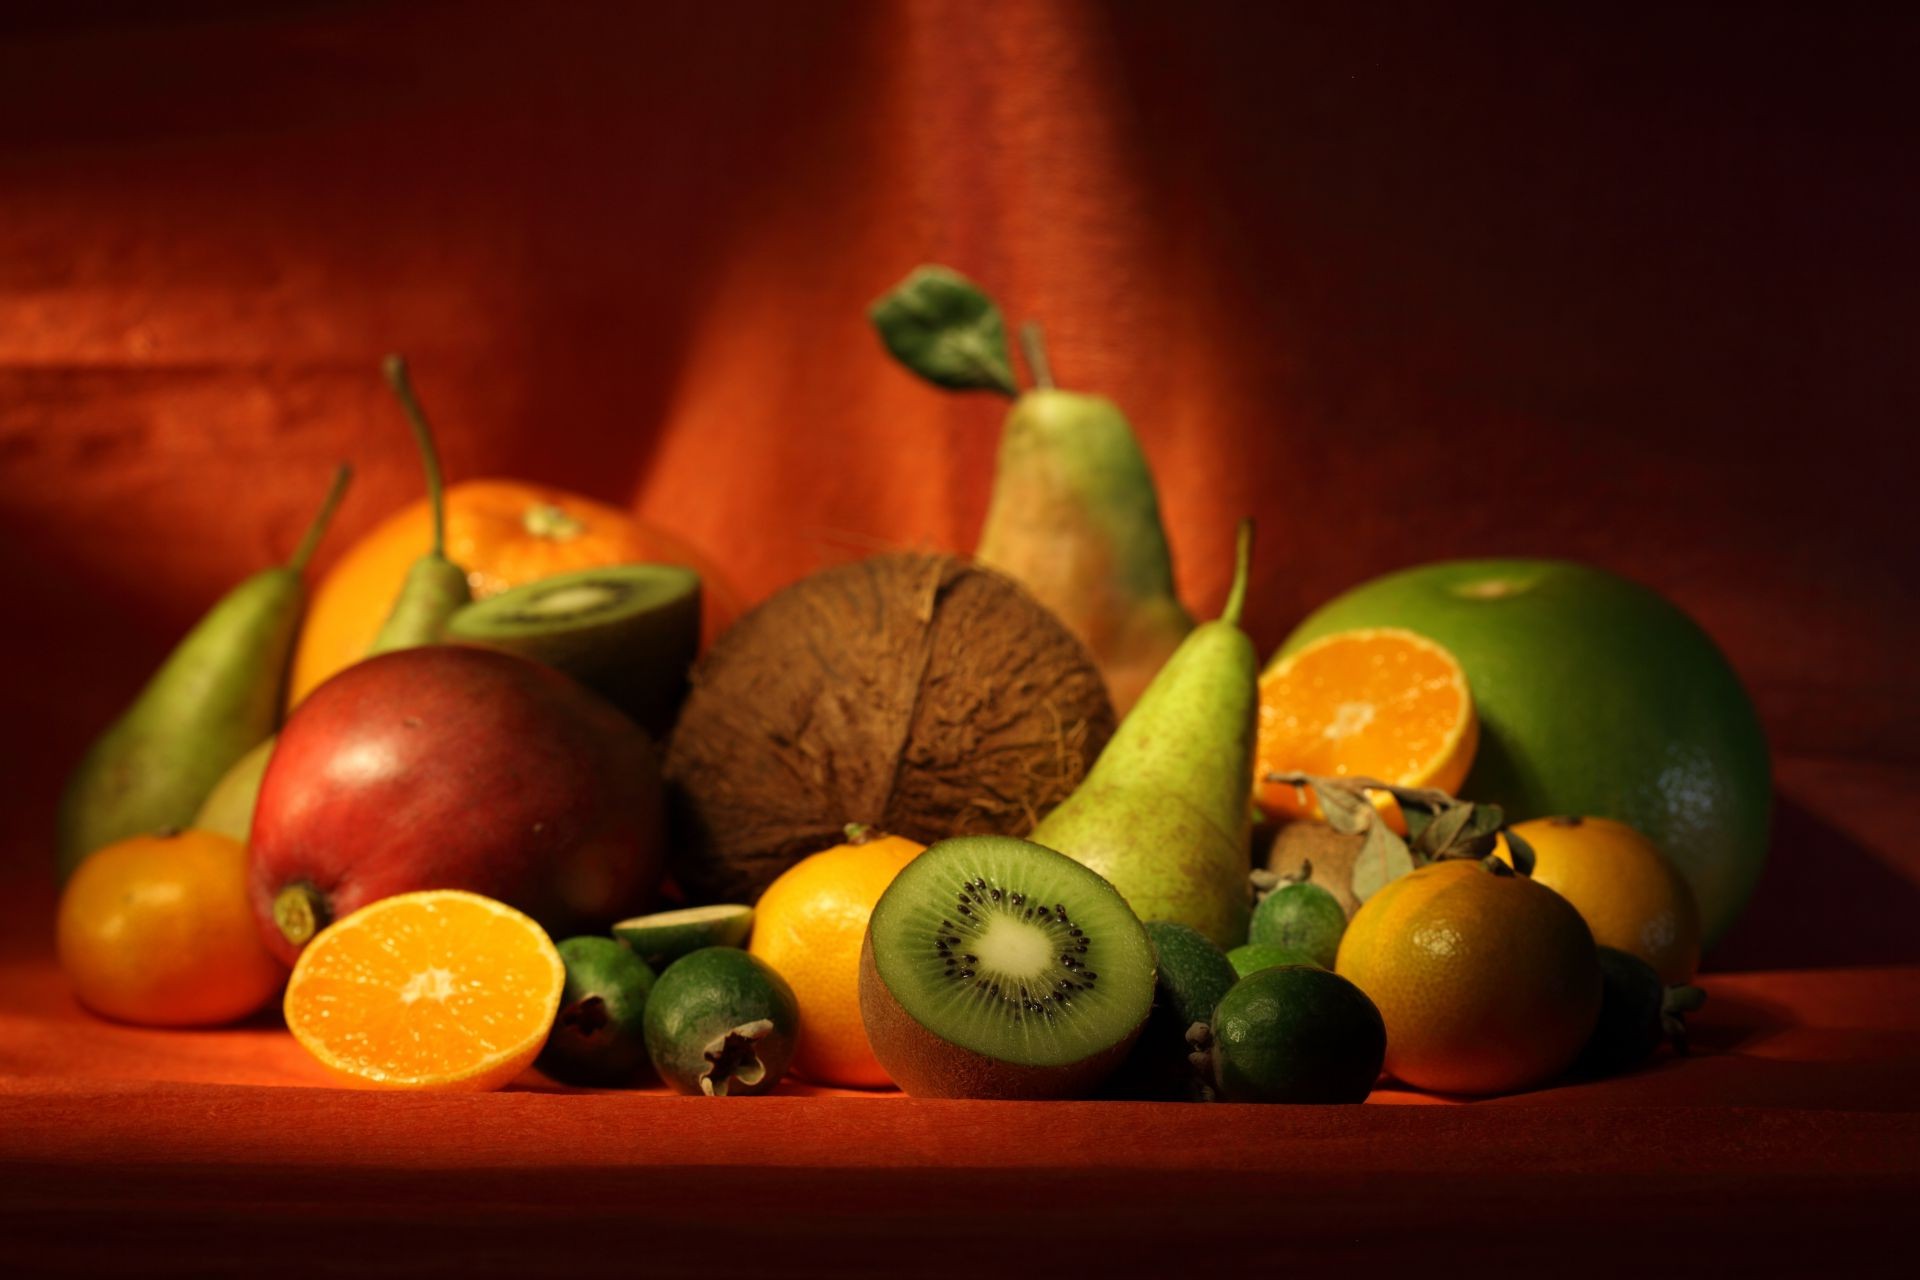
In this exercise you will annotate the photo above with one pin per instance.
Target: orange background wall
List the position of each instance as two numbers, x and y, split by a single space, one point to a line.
1633 288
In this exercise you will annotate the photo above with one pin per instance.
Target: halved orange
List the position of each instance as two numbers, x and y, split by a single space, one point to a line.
442 990
1382 702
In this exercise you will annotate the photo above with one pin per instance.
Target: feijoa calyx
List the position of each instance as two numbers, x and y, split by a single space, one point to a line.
598 1036
1293 1033
996 968
721 1023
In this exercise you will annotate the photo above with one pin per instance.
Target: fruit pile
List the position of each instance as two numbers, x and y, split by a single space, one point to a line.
976 828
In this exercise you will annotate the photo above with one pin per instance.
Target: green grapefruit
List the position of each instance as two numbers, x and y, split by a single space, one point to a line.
1595 696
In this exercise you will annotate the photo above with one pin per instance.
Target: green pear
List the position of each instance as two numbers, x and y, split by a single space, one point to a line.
1074 516
435 586
228 808
1164 814
214 699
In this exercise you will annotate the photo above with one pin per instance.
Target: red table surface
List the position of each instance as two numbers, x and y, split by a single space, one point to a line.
1632 287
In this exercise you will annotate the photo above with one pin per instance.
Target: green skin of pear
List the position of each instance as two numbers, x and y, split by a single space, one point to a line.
1597 696
1303 918
1164 814
229 806
1075 519
1296 1034
1255 956
213 700
599 1035
724 1017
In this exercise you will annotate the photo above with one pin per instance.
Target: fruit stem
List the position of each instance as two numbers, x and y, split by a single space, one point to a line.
1033 345
396 371
1242 566
300 911
342 474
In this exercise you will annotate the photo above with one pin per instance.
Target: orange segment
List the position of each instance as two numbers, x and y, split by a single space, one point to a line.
438 990
1383 702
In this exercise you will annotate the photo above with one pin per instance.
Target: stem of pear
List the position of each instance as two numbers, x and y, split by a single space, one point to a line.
1033 346
1242 565
396 370
318 529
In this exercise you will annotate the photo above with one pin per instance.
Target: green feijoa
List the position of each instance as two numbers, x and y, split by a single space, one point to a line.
599 1035
665 936
1300 916
1252 957
1637 1012
722 1023
1296 1033
1192 975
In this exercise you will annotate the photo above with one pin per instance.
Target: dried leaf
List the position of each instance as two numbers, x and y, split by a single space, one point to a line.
1521 853
1384 857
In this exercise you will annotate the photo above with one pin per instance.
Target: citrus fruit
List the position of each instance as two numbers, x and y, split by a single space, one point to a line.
1594 696
1630 895
440 989
721 1023
809 925
158 930
1296 1033
1300 916
598 1035
1487 981
504 533
1379 702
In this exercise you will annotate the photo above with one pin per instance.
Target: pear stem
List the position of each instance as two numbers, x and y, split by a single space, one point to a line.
1242 566
342 475
396 371
1033 345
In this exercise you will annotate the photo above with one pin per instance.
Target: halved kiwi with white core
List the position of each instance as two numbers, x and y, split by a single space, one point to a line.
629 632
998 968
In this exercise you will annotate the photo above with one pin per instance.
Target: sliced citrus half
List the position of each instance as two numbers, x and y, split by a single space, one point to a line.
1382 703
443 990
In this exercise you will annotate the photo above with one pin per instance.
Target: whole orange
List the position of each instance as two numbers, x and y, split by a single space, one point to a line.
158 930
1629 894
1488 982
504 533
809 925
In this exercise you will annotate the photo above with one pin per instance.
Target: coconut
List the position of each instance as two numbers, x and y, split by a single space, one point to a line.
913 693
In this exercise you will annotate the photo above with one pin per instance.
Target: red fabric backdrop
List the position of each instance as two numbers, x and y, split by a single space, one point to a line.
1633 288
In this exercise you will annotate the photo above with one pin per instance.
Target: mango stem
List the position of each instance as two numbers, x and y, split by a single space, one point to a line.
1242 566
396 371
342 475
1033 345
300 911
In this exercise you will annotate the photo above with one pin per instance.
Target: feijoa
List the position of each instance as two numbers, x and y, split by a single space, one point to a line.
1252 957
722 1023
599 1036
1300 916
1192 976
1295 1033
1637 1013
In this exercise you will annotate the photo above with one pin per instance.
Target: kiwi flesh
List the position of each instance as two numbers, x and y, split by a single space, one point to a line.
996 968
629 632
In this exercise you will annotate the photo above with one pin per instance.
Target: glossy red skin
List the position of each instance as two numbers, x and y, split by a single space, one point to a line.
446 767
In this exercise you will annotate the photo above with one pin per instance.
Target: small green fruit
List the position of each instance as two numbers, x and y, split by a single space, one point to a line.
1637 1013
721 1023
1252 957
599 1036
1295 1034
1303 917
1192 976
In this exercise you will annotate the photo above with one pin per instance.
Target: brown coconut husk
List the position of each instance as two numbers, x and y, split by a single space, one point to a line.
913 693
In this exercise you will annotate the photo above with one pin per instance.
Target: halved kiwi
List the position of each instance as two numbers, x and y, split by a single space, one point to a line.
665 936
629 632
995 968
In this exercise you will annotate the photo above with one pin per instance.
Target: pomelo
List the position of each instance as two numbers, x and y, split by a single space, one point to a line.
1595 696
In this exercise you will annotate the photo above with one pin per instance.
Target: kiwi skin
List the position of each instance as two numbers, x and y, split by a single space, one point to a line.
928 1066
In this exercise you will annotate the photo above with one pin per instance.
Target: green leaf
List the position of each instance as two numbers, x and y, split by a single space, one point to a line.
1383 857
940 325
1520 853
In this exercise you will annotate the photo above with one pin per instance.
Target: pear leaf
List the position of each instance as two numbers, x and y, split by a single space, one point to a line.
943 327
